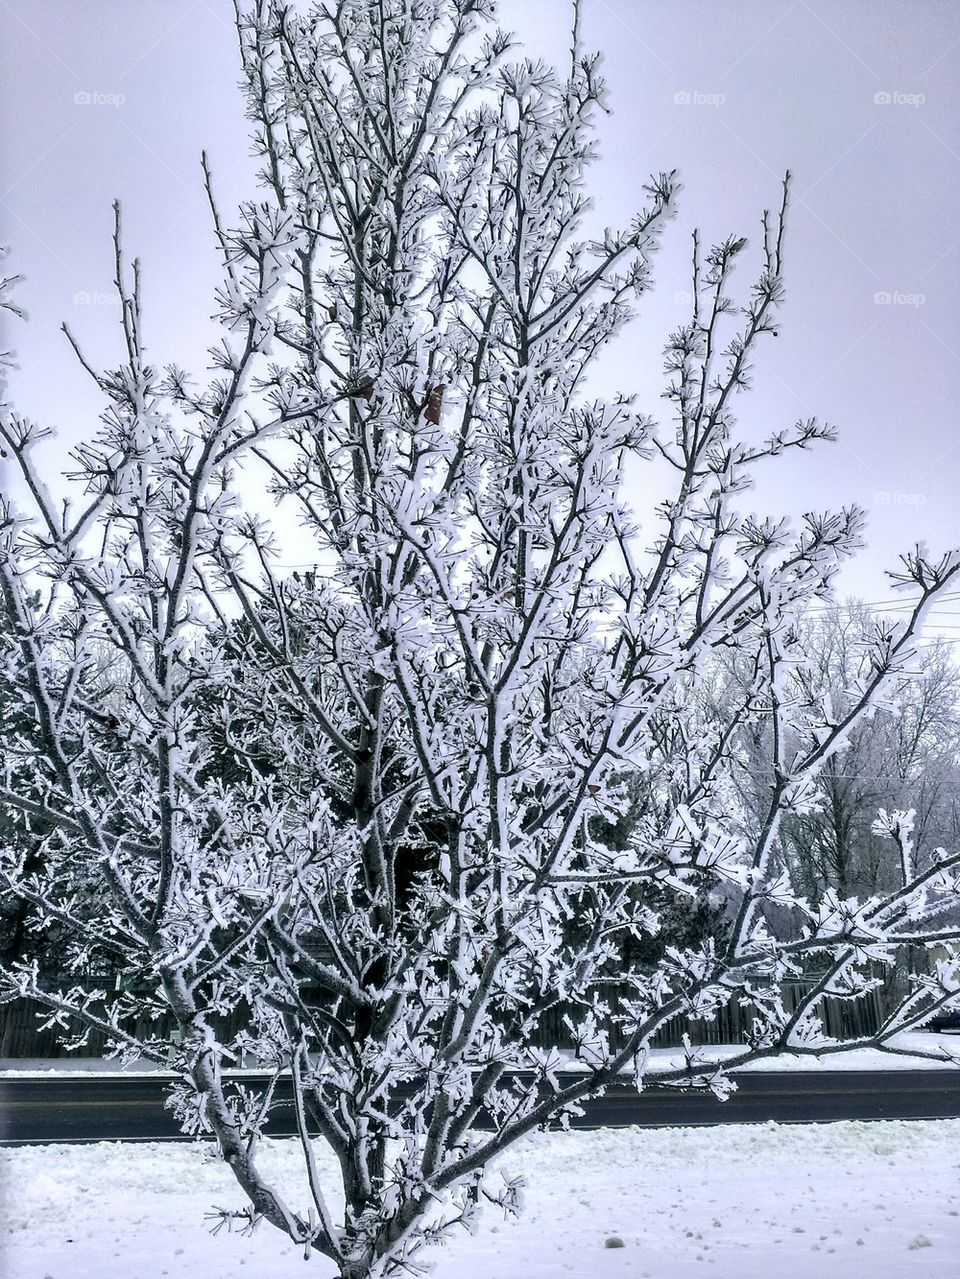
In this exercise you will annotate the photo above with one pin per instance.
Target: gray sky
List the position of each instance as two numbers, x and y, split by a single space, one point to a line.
859 98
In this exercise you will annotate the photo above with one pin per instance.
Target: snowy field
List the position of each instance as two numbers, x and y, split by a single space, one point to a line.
832 1201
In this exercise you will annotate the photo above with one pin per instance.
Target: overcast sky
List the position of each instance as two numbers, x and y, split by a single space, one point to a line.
859 98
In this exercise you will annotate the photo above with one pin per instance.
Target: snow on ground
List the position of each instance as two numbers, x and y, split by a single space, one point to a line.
828 1201
935 1052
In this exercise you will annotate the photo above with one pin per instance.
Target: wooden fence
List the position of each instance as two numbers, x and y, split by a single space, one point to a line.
20 1035
733 1024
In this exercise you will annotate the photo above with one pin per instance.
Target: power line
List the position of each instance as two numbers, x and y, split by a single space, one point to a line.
890 606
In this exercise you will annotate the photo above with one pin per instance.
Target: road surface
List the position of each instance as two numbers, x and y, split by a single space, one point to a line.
89 1108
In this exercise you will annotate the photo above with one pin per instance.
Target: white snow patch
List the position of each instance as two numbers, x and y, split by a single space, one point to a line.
939 1052
831 1201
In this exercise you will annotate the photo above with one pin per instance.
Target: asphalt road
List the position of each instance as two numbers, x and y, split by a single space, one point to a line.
88 1108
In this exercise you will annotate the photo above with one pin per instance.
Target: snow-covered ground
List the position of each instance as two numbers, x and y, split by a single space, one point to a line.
830 1201
916 1050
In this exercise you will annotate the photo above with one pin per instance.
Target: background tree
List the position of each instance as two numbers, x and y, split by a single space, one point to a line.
15 911
906 755
482 667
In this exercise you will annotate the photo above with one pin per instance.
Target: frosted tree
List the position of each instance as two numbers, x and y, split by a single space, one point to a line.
354 821
905 756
